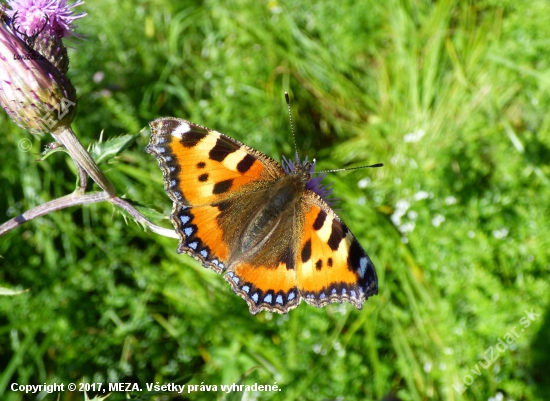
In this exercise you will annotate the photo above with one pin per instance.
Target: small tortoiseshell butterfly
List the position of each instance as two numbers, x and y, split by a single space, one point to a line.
267 227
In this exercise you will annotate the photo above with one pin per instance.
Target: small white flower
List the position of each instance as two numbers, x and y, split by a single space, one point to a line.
437 220
428 367
363 183
421 195
414 136
402 205
407 227
503 232
450 200
412 215
401 208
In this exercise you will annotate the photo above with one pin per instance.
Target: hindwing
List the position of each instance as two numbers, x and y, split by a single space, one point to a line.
331 266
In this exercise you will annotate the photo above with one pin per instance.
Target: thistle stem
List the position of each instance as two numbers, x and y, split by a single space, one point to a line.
82 179
66 136
83 199
51 206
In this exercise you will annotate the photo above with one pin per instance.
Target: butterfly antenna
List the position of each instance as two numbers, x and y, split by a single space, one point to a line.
287 98
350 168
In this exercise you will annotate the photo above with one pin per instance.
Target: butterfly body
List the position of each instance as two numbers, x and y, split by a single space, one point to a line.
242 214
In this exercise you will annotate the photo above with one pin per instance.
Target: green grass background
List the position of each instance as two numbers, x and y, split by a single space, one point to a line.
452 96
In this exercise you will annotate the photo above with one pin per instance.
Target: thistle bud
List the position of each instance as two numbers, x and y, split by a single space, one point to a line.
37 96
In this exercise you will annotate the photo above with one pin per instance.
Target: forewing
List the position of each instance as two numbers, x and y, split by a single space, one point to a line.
204 172
202 166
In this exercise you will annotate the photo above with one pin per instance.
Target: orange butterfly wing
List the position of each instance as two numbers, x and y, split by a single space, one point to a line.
202 166
327 265
202 169
220 188
331 265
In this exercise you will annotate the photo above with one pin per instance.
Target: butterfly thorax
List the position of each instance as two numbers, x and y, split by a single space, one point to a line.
280 201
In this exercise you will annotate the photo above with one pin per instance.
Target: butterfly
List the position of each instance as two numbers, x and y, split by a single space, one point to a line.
266 227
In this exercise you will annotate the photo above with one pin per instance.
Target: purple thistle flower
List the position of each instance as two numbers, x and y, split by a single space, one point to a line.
315 182
31 16
35 93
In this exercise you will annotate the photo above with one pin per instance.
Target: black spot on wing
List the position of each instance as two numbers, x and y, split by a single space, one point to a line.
192 138
223 206
222 186
201 165
306 251
329 262
319 264
220 150
288 258
244 165
320 220
339 231
203 177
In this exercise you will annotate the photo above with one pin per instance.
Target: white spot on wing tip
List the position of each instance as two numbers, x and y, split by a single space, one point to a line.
182 129
279 299
268 298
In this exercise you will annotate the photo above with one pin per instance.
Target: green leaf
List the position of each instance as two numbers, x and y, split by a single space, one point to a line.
103 151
